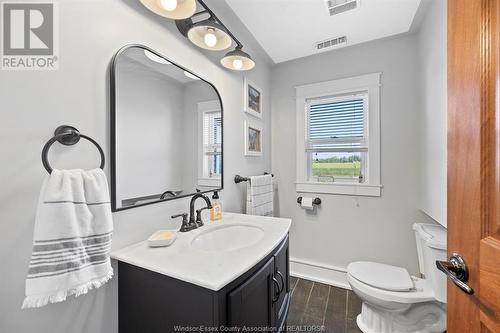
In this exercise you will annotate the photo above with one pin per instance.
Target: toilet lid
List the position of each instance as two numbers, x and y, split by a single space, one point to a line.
381 276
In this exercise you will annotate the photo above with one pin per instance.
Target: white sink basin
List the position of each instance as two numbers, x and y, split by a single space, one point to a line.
228 237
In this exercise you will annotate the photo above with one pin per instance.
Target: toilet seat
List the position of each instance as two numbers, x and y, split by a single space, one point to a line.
420 290
381 276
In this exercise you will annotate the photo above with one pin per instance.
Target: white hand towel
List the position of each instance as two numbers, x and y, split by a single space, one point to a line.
72 238
260 195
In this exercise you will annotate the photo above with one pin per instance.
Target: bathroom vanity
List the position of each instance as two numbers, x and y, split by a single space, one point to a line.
231 273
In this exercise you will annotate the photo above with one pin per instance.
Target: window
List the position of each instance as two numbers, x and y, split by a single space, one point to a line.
338 137
212 139
209 144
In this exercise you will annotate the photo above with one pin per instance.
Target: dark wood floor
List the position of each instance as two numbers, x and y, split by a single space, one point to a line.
319 305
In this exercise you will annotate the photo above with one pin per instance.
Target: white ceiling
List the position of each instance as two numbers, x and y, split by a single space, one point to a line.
289 29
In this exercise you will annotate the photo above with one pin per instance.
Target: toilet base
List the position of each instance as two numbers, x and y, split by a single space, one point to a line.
426 317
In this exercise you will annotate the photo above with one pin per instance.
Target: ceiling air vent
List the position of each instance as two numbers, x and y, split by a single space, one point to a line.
331 43
339 6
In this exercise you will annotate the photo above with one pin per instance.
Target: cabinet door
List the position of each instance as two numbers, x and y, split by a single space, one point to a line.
281 273
251 304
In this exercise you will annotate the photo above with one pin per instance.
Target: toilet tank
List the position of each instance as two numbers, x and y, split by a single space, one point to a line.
431 246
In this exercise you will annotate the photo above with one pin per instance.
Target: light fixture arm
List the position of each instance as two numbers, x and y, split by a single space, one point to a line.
213 16
200 13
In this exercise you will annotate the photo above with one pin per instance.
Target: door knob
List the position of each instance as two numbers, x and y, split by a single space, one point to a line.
457 271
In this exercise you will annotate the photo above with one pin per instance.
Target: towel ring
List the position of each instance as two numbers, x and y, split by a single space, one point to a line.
68 136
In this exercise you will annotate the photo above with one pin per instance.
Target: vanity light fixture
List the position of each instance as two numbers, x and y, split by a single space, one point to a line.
173 9
238 60
209 35
191 76
153 57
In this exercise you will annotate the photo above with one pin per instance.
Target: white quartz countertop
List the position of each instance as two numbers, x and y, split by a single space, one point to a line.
212 269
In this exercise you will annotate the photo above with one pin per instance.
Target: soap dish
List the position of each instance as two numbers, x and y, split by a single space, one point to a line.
162 238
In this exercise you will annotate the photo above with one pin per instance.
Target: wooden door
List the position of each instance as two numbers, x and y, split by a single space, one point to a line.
473 162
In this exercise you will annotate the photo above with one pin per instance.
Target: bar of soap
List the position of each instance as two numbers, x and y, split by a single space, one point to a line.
163 235
162 238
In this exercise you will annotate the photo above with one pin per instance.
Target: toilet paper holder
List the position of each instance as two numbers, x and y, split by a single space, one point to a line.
316 201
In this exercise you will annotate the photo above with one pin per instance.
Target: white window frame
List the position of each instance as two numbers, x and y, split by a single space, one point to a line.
369 83
203 181
333 99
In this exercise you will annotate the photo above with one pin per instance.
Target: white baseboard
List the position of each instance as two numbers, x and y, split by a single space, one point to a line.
322 273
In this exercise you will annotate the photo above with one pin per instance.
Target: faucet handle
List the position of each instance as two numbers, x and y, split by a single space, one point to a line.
184 216
198 211
185 225
199 221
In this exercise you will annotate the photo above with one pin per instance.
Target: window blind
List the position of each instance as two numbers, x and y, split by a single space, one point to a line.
337 124
212 143
212 133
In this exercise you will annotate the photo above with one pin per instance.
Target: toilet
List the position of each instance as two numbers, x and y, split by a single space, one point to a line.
394 301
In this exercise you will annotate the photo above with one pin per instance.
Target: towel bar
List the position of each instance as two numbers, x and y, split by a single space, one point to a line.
68 136
238 179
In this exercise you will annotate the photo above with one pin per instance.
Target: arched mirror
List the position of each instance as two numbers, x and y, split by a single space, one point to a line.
166 130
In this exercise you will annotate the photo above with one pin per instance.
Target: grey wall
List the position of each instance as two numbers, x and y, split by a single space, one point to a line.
34 103
432 124
346 228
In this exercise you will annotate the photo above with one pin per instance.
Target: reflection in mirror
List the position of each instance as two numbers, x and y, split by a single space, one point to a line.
166 130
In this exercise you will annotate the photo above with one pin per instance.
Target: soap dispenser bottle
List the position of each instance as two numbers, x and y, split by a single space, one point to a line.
216 210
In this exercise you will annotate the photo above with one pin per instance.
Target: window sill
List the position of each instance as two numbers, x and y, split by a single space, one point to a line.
354 189
209 182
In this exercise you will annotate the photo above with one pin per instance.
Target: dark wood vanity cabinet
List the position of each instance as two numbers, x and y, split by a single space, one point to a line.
151 302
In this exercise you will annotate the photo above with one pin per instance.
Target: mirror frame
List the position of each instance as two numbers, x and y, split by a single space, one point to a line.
113 138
